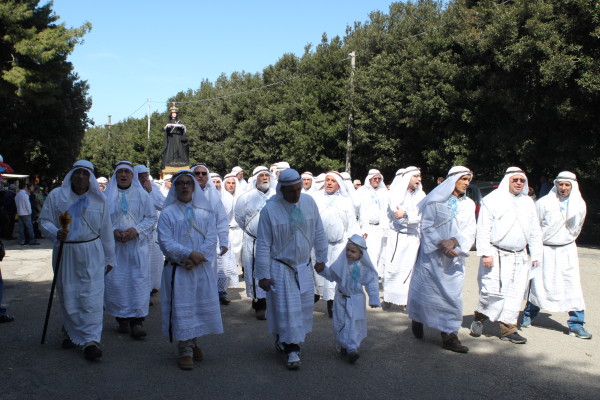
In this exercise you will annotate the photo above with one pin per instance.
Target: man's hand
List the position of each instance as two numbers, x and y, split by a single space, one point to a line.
188 264
196 257
130 234
488 261
400 212
265 284
224 250
146 185
118 234
61 235
447 246
108 269
320 266
534 263
365 235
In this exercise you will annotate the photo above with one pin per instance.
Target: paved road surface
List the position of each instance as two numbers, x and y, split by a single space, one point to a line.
242 362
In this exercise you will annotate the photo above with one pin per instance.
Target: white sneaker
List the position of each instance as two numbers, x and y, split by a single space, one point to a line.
476 328
293 361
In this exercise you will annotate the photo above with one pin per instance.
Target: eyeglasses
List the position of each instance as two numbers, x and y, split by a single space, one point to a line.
518 180
198 173
376 179
184 183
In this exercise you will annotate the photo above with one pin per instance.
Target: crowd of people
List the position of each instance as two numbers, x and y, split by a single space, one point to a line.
300 238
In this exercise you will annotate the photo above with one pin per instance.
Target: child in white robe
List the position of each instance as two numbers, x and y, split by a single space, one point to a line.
351 271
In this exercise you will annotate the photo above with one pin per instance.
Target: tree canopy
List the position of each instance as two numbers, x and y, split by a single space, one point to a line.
44 103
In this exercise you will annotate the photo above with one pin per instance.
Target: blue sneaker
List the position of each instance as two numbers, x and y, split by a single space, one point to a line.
526 321
579 332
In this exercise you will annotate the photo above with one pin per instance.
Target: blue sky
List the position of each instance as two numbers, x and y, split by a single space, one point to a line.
155 49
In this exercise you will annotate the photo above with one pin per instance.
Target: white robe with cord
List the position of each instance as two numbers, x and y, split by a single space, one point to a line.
227 271
80 280
157 259
128 288
339 222
402 247
557 285
195 306
510 223
435 294
373 221
349 311
290 306
247 211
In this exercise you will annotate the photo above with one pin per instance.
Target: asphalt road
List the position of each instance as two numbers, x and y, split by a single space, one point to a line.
242 362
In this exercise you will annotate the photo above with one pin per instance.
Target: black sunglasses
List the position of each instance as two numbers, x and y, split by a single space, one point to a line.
198 173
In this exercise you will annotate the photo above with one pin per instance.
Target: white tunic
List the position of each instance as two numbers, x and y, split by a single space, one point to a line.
227 272
290 307
195 307
435 294
339 222
80 280
402 248
373 220
558 287
128 288
247 211
157 259
506 225
349 313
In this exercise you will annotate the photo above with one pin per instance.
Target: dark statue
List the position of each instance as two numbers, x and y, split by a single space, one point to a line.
176 149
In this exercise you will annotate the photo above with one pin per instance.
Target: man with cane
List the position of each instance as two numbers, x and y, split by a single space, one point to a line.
83 252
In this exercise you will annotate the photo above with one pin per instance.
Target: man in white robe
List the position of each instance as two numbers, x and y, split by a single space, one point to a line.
247 210
227 273
557 286
339 221
166 185
88 250
236 235
372 203
289 227
507 226
189 295
448 231
404 218
203 177
133 216
156 257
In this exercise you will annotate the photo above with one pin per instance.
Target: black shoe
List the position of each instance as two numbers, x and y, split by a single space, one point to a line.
224 300
6 318
514 338
330 308
417 329
92 352
353 356
317 297
68 344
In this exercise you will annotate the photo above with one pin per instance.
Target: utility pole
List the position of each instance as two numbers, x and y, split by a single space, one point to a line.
148 144
350 115
108 125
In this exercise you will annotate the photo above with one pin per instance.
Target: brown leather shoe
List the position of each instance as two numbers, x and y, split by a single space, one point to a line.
138 331
450 342
186 363
198 355
123 326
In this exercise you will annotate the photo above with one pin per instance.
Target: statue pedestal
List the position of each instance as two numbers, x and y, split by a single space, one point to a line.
171 170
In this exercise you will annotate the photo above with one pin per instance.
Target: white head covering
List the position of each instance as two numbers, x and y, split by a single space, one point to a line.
236 170
281 165
112 190
309 175
319 182
343 190
198 198
287 177
444 190
216 176
510 172
167 177
101 179
576 203
93 190
210 190
348 182
399 187
359 241
373 173
238 189
140 169
257 171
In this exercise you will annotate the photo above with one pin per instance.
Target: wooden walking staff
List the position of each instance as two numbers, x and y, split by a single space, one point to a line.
64 220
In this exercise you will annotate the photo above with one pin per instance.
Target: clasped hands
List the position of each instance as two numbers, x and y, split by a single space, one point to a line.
124 236
195 258
447 247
